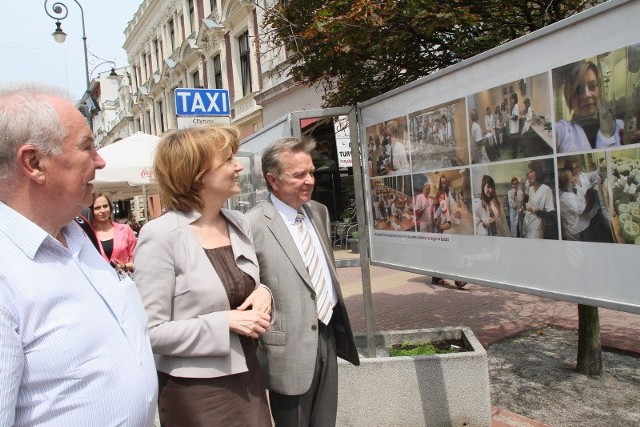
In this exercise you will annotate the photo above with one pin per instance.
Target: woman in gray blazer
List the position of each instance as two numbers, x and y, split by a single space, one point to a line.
198 276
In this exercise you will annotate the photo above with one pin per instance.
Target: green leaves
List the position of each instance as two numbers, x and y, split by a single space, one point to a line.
358 49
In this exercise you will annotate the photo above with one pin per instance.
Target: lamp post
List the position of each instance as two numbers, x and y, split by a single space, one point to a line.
59 11
112 74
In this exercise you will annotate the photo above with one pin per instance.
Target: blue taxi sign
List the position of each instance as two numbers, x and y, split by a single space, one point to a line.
202 102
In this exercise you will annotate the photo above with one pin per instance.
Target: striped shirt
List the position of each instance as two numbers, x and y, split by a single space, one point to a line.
74 349
288 215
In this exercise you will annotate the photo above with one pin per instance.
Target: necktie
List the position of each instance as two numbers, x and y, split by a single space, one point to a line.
312 262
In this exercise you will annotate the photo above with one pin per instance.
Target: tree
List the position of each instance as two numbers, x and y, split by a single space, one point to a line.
358 49
589 349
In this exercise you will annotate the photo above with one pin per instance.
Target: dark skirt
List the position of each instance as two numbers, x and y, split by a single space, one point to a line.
232 400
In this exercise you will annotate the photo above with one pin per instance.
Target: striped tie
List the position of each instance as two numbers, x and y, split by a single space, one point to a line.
312 262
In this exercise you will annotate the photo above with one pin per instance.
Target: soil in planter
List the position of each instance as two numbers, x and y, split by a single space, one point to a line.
422 348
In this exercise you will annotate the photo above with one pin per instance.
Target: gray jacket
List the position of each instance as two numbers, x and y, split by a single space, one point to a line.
288 349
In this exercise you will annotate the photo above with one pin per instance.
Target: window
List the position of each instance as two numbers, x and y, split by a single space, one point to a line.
214 5
172 35
136 75
195 79
191 16
217 72
147 122
245 63
160 116
149 65
157 54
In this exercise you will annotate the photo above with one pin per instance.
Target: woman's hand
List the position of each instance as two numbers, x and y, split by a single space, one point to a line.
259 300
250 323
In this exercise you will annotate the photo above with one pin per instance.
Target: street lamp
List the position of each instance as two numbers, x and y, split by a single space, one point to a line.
112 74
59 11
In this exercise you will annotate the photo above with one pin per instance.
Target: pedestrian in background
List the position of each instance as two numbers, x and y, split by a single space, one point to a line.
311 326
116 241
74 348
198 277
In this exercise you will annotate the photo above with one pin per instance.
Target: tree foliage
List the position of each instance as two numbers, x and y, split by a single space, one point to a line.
358 49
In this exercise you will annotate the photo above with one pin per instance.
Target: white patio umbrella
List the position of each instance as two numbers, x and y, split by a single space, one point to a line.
129 167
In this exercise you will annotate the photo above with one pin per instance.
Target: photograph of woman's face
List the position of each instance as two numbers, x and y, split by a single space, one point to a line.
585 100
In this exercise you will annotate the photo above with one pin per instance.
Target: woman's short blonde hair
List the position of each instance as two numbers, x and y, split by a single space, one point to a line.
184 156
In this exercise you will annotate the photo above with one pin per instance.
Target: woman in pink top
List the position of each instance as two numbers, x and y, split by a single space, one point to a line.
117 241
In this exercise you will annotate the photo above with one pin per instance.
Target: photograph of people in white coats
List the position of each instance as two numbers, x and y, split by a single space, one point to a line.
438 137
515 184
515 118
389 151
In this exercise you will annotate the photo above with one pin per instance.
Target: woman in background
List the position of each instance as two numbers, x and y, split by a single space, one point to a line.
198 276
116 241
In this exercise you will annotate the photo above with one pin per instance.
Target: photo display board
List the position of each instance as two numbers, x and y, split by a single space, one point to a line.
519 168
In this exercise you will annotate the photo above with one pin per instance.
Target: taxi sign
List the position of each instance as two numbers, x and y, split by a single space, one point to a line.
202 102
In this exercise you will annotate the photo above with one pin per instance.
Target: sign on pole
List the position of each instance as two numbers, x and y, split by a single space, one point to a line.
186 122
202 102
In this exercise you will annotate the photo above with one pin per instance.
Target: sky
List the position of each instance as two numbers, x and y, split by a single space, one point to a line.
29 53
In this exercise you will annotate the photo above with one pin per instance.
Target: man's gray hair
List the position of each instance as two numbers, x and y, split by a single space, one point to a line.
27 116
271 155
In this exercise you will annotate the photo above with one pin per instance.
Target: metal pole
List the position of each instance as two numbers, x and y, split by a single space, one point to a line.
59 11
356 159
145 204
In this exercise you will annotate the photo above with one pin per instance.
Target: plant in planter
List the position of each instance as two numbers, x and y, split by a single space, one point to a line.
425 390
423 348
354 242
347 215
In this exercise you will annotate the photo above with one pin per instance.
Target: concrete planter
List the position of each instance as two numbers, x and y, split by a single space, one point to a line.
438 390
354 245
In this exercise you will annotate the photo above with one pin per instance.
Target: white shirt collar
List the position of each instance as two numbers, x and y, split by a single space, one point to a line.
287 212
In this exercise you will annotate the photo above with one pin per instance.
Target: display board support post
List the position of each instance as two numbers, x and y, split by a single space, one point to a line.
362 231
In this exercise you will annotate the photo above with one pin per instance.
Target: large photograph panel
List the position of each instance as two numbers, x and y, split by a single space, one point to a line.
563 242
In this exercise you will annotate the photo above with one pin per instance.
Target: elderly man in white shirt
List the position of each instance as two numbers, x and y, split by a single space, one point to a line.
74 349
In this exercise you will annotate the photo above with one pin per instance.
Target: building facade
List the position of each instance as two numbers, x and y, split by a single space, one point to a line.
193 43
